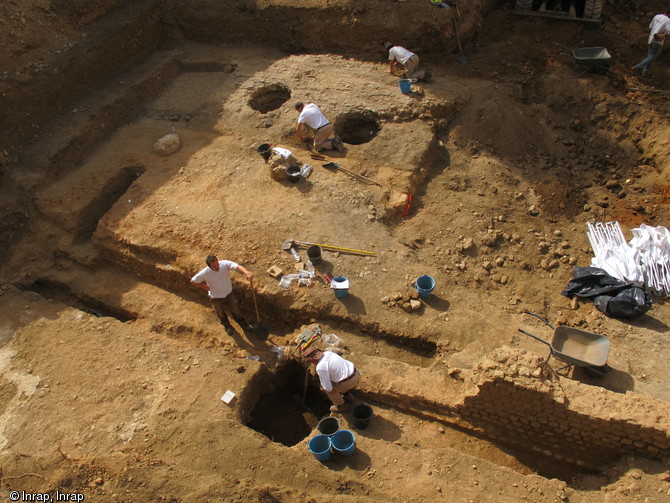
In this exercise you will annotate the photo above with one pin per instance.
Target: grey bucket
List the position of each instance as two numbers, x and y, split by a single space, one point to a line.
328 426
362 415
314 254
293 173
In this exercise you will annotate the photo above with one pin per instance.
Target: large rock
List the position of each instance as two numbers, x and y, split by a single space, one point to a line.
167 145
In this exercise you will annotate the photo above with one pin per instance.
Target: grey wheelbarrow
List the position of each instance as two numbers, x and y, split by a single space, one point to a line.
576 348
597 59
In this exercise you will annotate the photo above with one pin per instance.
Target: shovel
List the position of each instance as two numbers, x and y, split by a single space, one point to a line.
290 243
356 176
462 58
260 332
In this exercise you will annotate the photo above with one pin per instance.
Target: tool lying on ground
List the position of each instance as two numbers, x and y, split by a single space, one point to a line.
290 243
597 59
290 246
576 348
305 339
360 178
259 331
318 157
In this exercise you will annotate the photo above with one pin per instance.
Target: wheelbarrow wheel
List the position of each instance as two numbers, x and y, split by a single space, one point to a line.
597 372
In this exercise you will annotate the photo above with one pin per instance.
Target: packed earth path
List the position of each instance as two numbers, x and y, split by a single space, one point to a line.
129 153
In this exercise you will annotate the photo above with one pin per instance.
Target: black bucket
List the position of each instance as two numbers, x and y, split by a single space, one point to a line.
265 149
362 415
314 254
328 426
293 173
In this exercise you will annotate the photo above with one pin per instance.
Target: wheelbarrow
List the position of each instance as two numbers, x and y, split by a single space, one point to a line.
576 348
597 59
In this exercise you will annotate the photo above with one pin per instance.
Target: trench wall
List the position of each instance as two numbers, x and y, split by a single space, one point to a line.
514 399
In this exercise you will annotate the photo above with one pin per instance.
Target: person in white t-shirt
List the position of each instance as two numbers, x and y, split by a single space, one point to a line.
215 280
336 375
410 62
311 116
659 29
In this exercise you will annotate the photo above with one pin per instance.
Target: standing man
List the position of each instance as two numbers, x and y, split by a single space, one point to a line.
659 28
215 279
409 60
336 375
312 116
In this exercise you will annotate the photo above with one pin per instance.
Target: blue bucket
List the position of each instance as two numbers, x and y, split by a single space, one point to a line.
343 442
320 447
340 286
405 85
424 285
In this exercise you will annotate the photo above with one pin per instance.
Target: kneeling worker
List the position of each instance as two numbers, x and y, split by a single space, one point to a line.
399 56
280 159
336 375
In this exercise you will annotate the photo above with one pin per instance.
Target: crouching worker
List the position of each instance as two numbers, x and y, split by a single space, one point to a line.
336 375
399 57
280 160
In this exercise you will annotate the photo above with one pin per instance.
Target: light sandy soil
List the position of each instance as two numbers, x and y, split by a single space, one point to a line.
506 159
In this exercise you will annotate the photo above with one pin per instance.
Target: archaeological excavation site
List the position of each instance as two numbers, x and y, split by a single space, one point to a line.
464 244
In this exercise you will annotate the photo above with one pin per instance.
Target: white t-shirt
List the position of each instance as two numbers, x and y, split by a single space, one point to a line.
333 368
659 24
284 152
218 281
400 54
312 116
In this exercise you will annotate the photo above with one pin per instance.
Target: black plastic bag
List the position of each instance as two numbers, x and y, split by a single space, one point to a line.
628 303
612 296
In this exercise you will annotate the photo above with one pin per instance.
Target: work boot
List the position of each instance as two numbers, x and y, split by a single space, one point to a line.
339 408
229 328
337 143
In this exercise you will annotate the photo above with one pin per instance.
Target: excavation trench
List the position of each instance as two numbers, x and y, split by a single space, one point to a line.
286 405
62 293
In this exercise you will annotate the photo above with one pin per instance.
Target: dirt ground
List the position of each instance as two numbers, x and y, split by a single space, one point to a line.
112 366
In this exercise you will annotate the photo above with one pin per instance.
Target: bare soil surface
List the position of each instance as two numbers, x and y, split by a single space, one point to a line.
112 366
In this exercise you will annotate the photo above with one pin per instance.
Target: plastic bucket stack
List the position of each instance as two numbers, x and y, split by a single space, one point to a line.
424 285
405 85
320 446
328 426
343 442
340 286
362 415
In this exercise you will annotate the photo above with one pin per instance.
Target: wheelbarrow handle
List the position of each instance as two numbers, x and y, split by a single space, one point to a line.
540 318
536 338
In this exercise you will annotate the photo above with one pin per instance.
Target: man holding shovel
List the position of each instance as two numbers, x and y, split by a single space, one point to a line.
336 375
215 280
